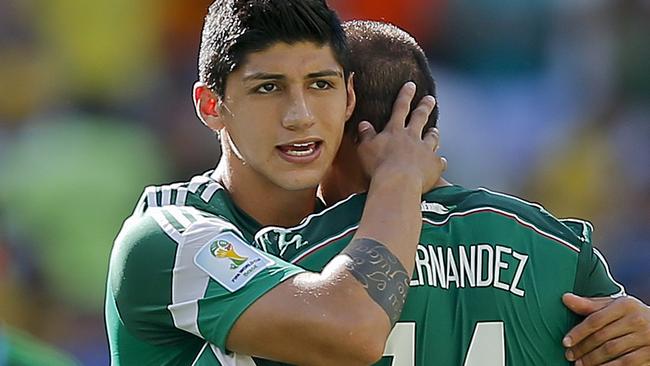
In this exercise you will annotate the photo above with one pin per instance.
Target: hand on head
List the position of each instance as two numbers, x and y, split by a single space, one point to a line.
401 147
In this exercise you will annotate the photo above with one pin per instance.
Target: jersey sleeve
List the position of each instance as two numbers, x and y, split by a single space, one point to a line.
175 272
593 278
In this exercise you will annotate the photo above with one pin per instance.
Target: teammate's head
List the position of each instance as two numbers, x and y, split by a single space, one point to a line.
383 57
235 28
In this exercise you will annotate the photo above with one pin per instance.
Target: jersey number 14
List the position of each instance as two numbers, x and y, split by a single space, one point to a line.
487 347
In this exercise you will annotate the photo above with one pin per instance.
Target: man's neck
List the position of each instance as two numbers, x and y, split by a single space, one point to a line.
346 177
264 201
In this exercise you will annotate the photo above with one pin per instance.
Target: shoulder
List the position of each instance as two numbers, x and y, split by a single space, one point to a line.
197 192
527 217
152 265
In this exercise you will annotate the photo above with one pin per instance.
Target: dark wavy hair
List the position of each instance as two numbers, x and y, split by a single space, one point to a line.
235 28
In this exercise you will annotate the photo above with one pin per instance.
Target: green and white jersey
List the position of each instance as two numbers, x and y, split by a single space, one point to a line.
490 271
181 273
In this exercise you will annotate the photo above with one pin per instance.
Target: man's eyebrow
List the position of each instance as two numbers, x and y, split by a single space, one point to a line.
264 76
325 73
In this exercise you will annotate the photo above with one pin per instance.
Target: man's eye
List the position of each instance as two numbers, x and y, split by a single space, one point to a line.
267 88
321 84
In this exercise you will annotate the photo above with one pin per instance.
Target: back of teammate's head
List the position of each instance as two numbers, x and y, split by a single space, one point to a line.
235 28
383 57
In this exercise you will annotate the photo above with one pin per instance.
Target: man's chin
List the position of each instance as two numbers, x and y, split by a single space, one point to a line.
301 182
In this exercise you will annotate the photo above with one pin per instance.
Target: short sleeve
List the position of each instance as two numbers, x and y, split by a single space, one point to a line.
174 277
593 278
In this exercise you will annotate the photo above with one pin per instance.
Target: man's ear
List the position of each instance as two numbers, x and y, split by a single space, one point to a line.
206 106
352 98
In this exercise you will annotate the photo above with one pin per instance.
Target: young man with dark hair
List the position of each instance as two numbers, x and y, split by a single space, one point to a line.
187 286
490 268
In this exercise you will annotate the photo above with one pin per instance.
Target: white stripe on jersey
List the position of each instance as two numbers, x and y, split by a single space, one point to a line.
196 182
166 197
537 206
189 282
164 224
152 200
234 360
181 196
602 259
507 214
586 226
198 356
177 213
209 191
304 222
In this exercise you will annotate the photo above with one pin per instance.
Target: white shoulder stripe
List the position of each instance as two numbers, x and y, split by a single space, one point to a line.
166 197
152 200
178 215
621 291
189 283
164 224
196 182
181 196
209 191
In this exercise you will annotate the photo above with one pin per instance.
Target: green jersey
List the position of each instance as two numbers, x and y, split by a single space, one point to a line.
181 273
490 271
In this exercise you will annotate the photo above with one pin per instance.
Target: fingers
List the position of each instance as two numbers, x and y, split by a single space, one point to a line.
420 115
583 305
402 106
592 323
366 131
612 349
639 357
605 344
432 138
620 332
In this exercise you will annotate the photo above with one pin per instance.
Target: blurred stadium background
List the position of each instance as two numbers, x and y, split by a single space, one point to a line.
546 99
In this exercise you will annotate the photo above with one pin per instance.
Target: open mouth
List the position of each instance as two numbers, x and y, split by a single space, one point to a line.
302 152
305 149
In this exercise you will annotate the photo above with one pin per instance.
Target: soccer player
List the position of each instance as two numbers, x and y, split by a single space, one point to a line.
490 268
184 285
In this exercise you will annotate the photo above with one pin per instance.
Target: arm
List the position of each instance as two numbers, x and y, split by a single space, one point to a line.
330 318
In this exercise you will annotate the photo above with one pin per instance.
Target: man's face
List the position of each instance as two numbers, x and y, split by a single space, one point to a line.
284 111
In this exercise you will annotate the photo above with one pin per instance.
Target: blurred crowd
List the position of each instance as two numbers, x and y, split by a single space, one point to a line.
545 99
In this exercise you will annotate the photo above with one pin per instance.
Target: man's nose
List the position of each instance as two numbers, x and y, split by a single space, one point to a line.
298 114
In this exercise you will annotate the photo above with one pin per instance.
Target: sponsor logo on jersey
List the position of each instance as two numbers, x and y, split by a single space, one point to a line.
223 249
230 261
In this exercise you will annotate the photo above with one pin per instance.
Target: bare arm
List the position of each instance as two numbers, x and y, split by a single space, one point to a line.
333 317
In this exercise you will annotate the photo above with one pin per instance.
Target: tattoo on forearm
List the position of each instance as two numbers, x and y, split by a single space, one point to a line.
381 274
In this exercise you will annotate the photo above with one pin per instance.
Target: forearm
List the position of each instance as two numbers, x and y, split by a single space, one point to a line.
392 215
